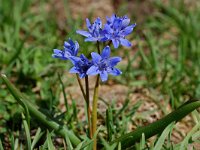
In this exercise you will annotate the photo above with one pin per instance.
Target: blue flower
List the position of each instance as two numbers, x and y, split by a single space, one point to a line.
94 32
70 49
116 29
81 65
104 64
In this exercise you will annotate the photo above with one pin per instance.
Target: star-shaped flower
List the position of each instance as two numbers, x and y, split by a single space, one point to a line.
94 32
116 29
81 65
104 64
70 49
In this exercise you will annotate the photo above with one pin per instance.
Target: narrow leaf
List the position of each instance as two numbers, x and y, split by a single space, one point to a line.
152 129
45 120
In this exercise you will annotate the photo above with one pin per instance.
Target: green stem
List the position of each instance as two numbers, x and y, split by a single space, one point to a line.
152 129
98 47
88 105
81 86
94 110
42 118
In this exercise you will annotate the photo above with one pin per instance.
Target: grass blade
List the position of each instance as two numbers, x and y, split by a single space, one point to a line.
38 135
152 129
45 120
1 146
49 141
163 136
27 131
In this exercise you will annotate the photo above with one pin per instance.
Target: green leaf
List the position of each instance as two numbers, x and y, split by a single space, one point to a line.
38 135
142 142
27 131
45 120
163 136
184 143
49 141
152 129
1 146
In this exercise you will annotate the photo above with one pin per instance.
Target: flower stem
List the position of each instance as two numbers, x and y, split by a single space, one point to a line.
88 105
98 47
81 86
94 111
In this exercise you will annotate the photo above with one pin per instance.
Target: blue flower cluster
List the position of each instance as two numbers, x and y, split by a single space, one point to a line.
115 30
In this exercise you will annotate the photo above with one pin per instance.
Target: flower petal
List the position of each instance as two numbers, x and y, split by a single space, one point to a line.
115 43
103 76
108 29
67 54
73 70
88 23
74 59
57 51
114 71
66 44
95 57
128 30
76 48
117 23
98 22
113 61
125 22
84 33
93 70
106 52
125 42
91 39
82 75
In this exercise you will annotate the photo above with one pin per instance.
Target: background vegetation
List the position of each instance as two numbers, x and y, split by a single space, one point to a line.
162 67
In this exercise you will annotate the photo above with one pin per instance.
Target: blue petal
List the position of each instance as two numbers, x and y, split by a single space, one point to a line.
67 54
57 51
106 52
84 33
76 48
91 39
114 71
70 42
113 61
73 70
103 76
74 59
82 75
88 23
117 23
86 61
125 22
125 42
95 57
98 22
108 29
128 30
93 70
66 44
115 43
59 54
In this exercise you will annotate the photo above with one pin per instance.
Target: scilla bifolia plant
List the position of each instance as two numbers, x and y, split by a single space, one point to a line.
114 30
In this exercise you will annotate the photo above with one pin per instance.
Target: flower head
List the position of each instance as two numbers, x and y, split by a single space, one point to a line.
104 64
81 65
94 32
70 49
117 28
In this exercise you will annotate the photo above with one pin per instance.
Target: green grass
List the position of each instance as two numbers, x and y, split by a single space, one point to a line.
166 61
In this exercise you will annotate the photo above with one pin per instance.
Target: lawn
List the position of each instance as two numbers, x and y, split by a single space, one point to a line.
160 75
